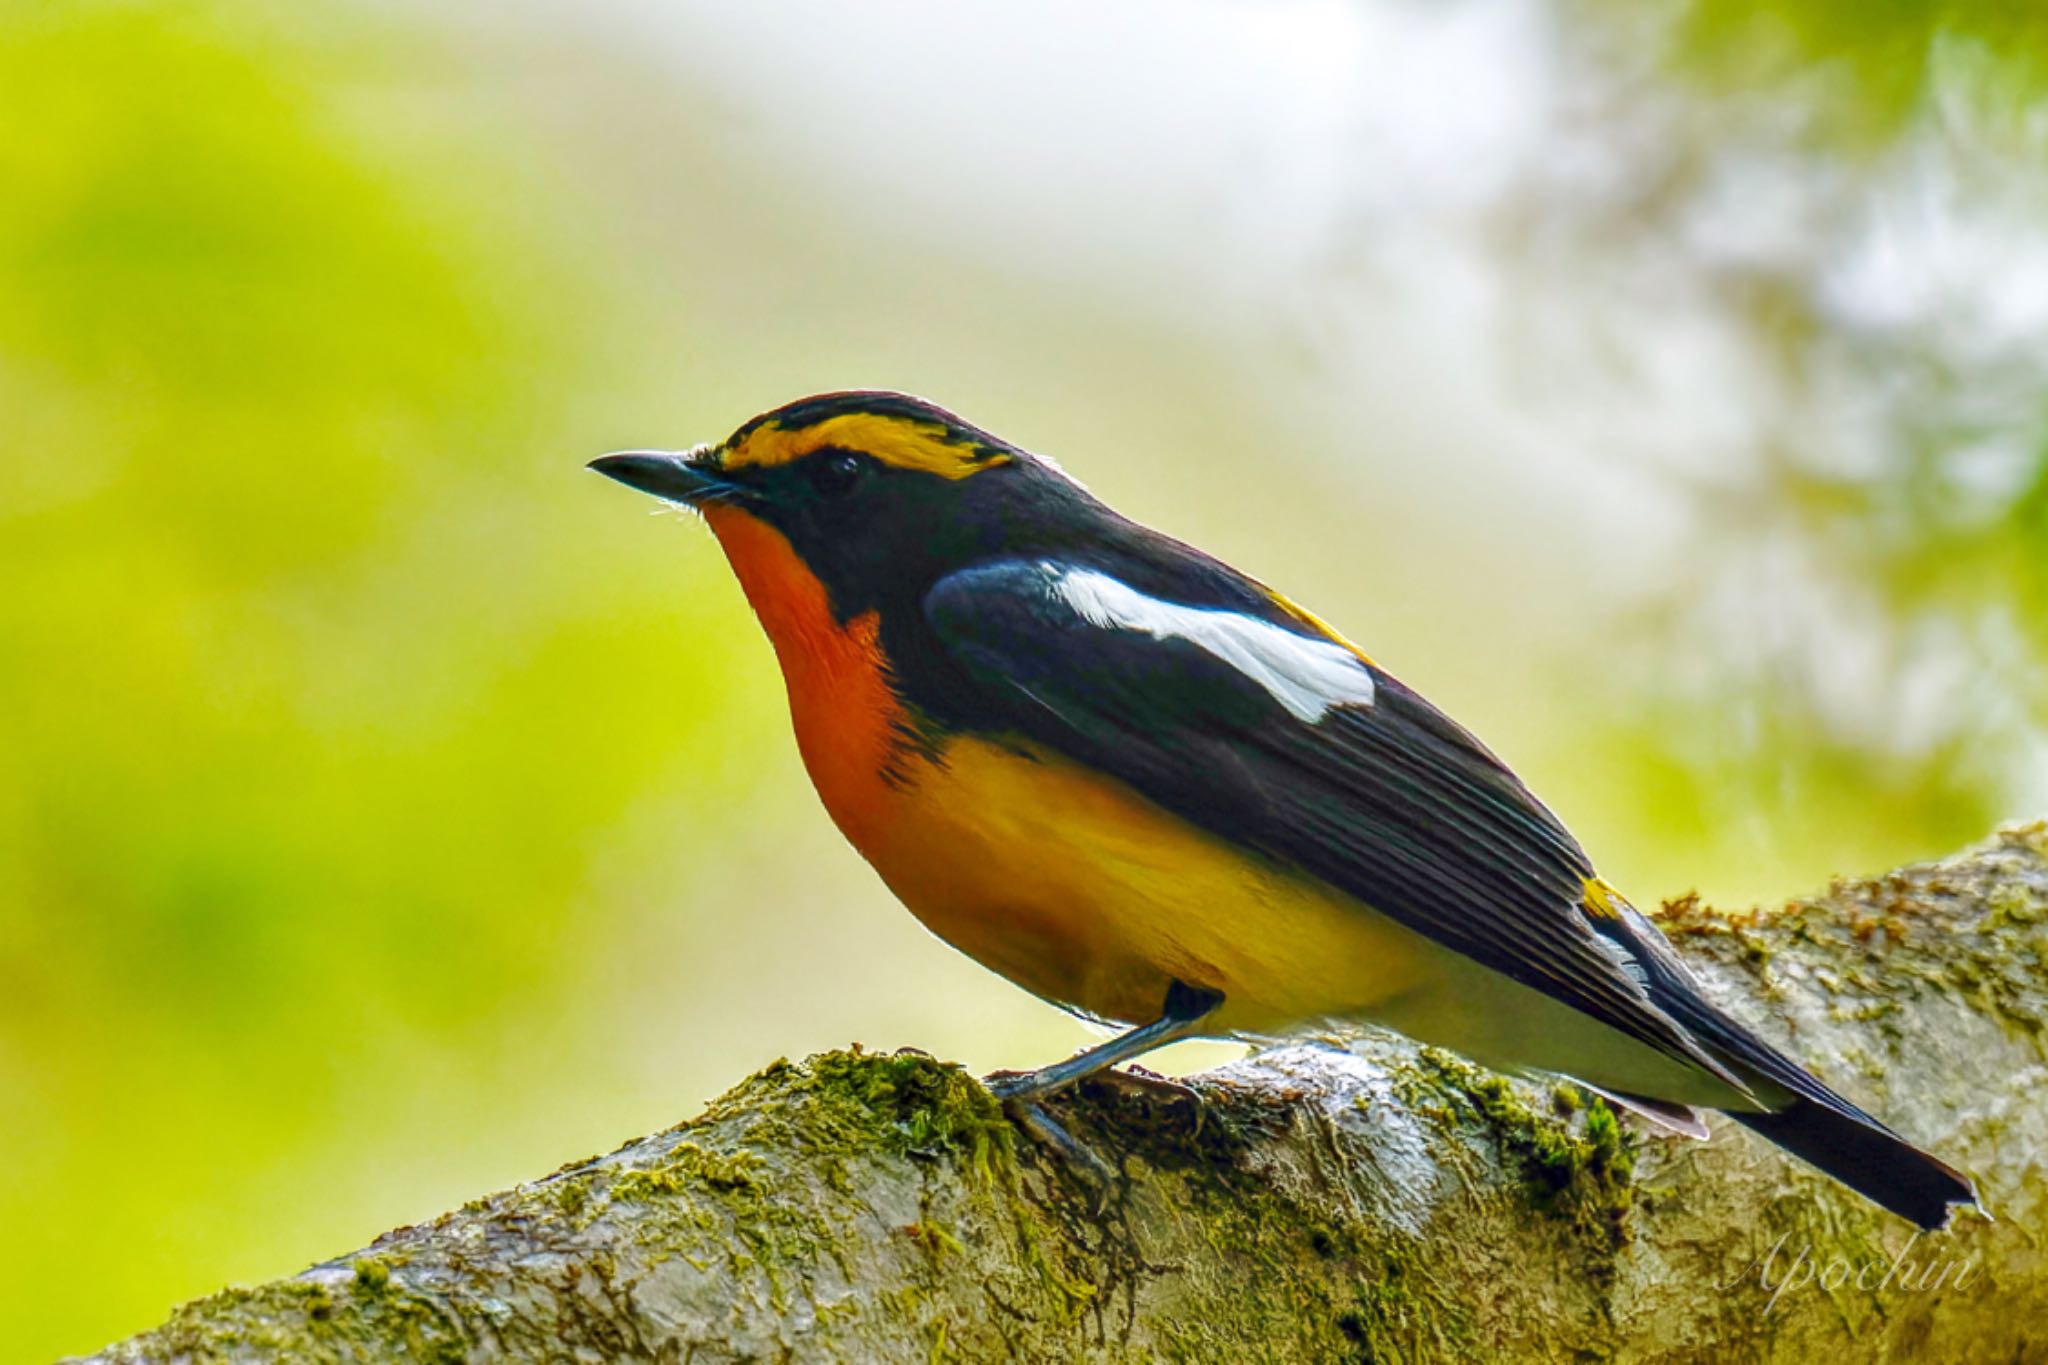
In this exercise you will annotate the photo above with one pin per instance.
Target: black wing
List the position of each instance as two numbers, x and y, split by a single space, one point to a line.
1385 798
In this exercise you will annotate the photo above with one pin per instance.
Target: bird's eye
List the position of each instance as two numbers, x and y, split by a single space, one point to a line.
837 473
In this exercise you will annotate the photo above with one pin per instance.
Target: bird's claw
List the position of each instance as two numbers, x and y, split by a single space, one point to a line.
1009 1085
1033 1119
1153 1086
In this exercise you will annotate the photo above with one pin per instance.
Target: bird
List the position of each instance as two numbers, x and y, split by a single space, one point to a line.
1150 790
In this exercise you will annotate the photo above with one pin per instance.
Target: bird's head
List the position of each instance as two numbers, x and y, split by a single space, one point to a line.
875 494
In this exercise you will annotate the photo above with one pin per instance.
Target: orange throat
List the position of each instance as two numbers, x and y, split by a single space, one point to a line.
848 719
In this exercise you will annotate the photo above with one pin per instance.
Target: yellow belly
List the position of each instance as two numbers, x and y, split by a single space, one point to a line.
1082 892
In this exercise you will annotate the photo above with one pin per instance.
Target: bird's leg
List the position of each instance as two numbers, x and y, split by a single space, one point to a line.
1021 1092
1181 1017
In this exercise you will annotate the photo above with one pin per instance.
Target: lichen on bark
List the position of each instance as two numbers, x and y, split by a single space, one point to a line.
1382 1202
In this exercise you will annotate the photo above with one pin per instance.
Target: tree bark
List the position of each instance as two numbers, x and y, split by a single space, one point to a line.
1383 1203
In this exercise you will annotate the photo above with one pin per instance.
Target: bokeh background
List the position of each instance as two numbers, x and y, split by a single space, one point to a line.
390 810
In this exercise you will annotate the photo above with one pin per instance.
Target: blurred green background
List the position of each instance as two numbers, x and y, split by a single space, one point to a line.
390 810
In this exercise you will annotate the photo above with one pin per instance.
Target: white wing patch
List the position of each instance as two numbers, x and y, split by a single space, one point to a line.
1305 675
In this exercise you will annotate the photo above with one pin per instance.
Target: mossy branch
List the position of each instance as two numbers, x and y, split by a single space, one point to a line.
1388 1203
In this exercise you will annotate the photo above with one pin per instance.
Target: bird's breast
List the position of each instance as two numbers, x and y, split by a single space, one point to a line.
1058 877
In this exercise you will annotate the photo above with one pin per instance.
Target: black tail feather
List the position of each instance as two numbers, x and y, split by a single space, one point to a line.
1805 1117
1867 1157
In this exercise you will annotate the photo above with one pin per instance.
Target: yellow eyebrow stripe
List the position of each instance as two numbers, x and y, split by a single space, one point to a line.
901 443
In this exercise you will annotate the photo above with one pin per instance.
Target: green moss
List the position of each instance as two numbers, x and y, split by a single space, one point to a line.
707 1199
1585 1174
1148 1134
2028 838
571 1193
687 1164
639 1186
919 1104
300 1320
1420 1090
1609 1154
2011 904
1395 1318
935 1238
718 1198
903 1103
1072 1294
319 1303
430 1332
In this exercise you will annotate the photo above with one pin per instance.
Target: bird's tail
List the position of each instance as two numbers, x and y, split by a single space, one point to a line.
1798 1112
1824 1130
1867 1157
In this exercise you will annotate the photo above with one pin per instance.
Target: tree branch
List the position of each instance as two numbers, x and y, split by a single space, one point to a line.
1388 1203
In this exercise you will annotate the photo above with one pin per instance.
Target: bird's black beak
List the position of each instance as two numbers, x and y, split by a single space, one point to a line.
678 476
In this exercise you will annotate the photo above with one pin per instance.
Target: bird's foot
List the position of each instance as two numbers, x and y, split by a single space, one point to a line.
1023 1094
1081 1159
1150 1085
1016 1085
